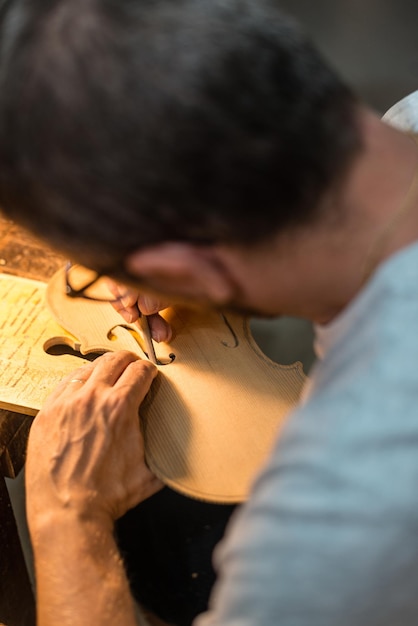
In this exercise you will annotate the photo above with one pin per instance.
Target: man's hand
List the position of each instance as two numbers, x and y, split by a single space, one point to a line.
130 303
86 452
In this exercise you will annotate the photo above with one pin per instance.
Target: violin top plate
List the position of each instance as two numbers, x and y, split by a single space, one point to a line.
213 412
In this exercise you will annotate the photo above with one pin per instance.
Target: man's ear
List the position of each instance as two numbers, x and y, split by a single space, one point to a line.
184 271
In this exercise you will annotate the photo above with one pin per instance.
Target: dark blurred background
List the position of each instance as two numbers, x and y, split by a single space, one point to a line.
373 43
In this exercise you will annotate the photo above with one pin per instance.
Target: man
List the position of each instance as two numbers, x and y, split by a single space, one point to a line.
203 151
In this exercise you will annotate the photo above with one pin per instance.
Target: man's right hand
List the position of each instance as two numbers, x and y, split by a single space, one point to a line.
130 304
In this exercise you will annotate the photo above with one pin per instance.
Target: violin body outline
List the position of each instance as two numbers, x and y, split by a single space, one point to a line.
213 413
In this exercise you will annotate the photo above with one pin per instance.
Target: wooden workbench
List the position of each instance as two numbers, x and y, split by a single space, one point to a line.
21 255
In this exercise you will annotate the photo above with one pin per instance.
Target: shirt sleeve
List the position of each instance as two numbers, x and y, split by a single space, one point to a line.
330 535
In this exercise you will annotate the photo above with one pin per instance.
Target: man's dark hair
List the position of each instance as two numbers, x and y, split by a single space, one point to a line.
125 123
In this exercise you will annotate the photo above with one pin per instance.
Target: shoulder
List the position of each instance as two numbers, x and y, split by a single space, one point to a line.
404 114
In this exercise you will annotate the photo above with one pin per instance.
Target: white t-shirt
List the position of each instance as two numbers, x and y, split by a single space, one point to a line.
404 114
330 534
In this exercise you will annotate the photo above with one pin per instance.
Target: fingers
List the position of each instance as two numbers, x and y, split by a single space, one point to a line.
160 329
136 380
107 370
130 304
126 301
72 382
150 304
109 367
86 447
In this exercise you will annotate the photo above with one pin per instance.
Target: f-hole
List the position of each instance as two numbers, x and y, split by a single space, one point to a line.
57 346
141 344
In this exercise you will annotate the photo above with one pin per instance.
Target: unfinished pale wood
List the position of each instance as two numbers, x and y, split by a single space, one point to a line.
212 415
214 412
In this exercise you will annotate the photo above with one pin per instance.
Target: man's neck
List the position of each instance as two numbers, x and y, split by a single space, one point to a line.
382 193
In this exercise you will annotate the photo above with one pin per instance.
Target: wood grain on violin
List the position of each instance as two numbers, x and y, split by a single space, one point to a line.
212 414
